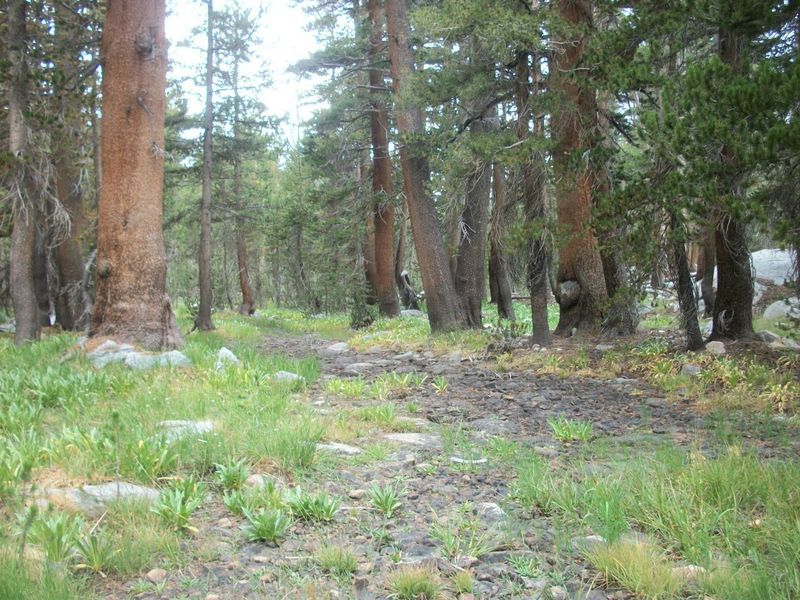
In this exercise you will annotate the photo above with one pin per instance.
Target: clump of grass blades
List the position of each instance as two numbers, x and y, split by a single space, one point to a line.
336 560
266 525
305 506
414 583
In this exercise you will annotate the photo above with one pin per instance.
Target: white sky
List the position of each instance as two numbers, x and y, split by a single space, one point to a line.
284 42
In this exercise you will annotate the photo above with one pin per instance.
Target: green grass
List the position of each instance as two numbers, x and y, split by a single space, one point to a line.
34 581
565 430
336 560
414 583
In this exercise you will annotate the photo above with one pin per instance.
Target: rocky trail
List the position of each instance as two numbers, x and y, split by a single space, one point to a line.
444 452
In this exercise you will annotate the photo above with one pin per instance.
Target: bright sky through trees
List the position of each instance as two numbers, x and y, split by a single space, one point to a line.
284 42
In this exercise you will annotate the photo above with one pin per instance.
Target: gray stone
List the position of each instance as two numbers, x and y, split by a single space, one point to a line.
92 499
716 348
177 429
588 543
689 573
406 356
558 593
468 461
768 337
545 451
109 352
773 265
490 512
287 377
260 480
782 309
8 328
156 576
359 368
421 440
139 361
337 448
604 347
174 358
224 358
411 313
337 348
690 370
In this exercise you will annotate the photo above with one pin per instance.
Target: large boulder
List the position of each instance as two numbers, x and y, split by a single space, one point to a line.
773 265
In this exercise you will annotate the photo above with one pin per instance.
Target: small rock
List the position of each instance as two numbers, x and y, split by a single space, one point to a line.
689 573
337 448
177 429
288 377
490 512
768 337
467 461
358 368
424 440
212 597
337 348
545 451
716 348
260 559
224 358
366 567
690 370
588 543
411 313
224 523
558 593
356 494
604 347
156 576
260 480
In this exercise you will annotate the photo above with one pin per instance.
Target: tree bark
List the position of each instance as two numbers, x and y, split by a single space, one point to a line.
687 301
444 309
470 273
131 301
204 321
383 212
72 313
581 287
498 261
733 305
534 200
40 277
708 262
25 212
248 305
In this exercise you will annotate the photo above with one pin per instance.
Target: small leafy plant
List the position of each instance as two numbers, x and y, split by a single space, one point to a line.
266 525
414 583
565 430
57 534
385 498
336 560
232 476
95 553
440 384
312 507
524 566
177 504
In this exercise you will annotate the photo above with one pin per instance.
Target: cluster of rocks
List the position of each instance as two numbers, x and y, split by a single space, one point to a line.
110 352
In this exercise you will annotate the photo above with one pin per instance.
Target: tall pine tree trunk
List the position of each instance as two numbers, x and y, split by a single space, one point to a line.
444 309
532 181
580 284
25 212
71 310
706 268
733 305
204 322
470 273
131 303
687 301
499 277
383 212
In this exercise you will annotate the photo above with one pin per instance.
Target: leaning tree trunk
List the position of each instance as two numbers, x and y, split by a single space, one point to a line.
40 278
383 212
532 181
204 322
25 212
444 309
499 278
733 305
131 303
581 288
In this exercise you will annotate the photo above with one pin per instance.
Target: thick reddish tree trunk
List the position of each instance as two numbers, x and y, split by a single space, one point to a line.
580 284
204 322
248 305
131 303
444 309
383 212
25 212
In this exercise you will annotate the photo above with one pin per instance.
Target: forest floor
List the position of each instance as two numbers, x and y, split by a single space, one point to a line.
457 469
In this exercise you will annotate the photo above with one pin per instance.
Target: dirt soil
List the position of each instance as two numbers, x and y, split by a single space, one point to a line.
447 473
